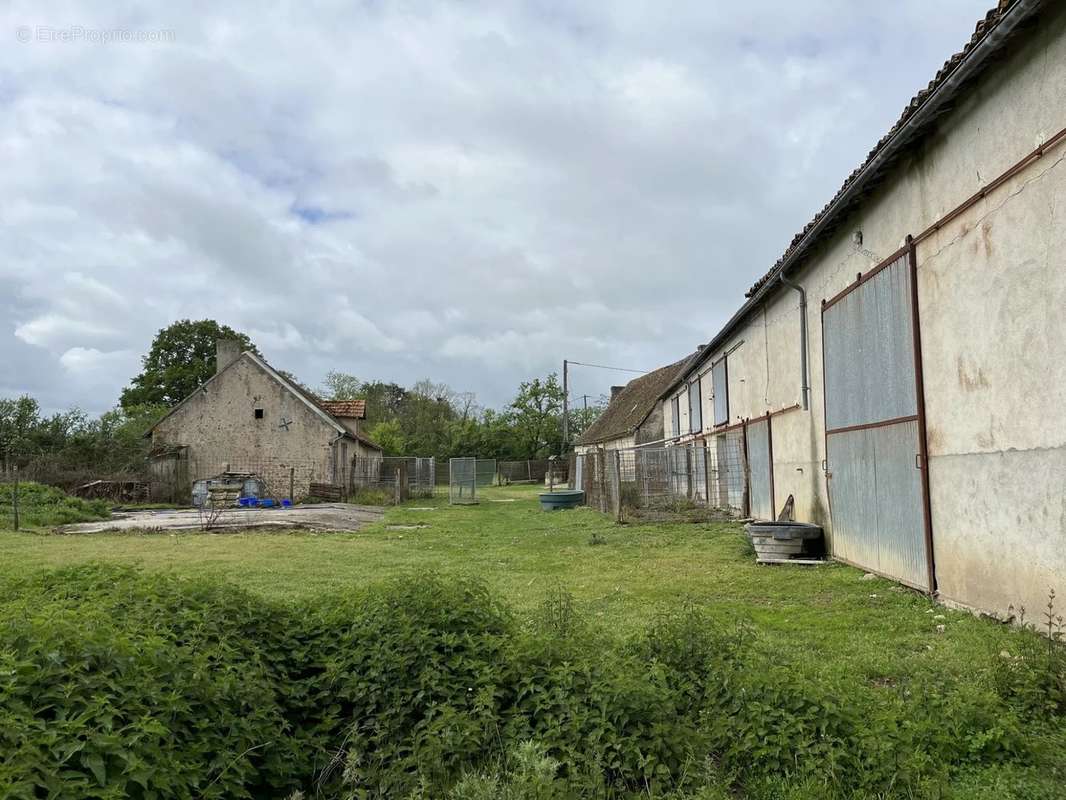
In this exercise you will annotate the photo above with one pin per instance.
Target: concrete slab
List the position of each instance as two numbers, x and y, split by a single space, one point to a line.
310 516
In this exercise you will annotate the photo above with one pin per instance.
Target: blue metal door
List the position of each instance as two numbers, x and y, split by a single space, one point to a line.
874 426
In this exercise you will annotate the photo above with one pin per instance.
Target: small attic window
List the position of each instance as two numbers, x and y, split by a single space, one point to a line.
259 413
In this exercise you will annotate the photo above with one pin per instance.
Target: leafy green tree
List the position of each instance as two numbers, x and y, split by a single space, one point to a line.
389 435
181 358
19 419
341 386
582 416
537 417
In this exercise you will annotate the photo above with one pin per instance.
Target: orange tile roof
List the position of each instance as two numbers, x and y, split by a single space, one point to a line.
353 409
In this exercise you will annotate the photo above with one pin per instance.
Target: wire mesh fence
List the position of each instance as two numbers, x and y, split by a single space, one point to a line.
462 481
398 477
485 471
522 471
75 475
663 481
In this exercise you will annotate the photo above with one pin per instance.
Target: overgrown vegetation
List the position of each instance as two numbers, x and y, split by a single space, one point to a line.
364 496
46 506
115 683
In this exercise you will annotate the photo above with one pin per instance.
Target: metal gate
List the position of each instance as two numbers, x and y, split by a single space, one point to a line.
875 424
760 481
462 481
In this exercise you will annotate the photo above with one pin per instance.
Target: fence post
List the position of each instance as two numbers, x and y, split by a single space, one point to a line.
15 498
745 500
402 485
689 469
616 498
603 495
706 476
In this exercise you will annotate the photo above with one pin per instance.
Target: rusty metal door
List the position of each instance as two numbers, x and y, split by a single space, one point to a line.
760 499
875 426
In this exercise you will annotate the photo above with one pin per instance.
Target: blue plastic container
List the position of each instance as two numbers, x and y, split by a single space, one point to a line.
266 502
286 503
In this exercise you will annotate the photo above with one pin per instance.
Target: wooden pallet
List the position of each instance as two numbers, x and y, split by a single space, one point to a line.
327 491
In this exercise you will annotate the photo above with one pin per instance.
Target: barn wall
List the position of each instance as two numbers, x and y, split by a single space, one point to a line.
991 289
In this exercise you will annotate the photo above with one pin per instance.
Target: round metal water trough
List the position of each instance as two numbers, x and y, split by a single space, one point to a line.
783 541
562 499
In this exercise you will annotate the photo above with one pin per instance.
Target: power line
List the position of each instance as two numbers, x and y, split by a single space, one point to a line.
617 369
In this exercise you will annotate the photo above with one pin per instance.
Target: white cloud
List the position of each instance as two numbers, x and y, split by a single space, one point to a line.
86 360
465 191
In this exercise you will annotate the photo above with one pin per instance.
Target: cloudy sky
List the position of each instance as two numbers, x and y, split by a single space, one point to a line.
465 191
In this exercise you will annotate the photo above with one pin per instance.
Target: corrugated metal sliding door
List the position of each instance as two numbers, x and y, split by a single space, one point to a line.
760 499
874 431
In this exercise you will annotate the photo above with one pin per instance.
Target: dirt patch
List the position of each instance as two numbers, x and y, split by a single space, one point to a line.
311 516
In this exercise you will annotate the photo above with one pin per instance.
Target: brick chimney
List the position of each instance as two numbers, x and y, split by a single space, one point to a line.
226 352
615 390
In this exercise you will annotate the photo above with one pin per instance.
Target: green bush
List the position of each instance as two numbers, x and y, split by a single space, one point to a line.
415 671
114 685
530 774
118 684
46 506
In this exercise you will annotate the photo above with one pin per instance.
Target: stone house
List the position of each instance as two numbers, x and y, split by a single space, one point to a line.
634 416
901 370
248 417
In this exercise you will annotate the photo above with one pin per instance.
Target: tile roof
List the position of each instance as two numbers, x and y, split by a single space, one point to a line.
631 406
983 27
352 409
998 26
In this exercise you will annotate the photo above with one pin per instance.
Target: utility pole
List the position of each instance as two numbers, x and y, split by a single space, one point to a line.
566 407
566 392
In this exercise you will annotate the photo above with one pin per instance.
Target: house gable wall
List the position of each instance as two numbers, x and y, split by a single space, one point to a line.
219 427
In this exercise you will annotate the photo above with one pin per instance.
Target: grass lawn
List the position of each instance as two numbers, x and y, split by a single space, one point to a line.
865 643
822 619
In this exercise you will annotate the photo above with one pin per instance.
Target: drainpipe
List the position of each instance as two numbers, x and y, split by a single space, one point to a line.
803 338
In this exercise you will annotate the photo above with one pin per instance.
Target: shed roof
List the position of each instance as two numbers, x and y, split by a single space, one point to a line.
990 36
631 406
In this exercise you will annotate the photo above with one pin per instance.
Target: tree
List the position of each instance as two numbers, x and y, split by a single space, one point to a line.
389 435
341 386
583 416
19 420
181 358
536 412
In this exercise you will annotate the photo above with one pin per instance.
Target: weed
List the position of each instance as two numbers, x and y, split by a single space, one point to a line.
372 497
1031 672
46 506
556 615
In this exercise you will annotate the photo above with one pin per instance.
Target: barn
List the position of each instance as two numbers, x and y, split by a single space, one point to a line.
901 370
